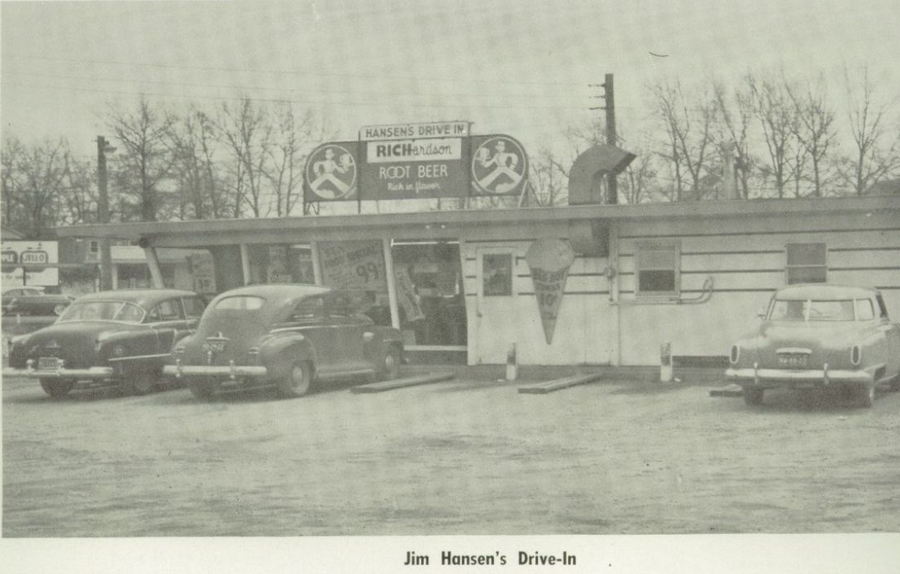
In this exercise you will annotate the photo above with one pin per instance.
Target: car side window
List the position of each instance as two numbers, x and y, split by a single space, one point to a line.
308 308
193 307
864 311
169 310
339 305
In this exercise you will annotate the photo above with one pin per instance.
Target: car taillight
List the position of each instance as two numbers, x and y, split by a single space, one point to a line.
119 351
735 354
855 355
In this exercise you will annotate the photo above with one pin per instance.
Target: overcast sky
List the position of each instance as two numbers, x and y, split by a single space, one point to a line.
510 66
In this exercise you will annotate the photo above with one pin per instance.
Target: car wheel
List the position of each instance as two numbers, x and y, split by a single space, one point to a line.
390 366
867 396
753 397
895 383
57 389
297 381
203 389
143 382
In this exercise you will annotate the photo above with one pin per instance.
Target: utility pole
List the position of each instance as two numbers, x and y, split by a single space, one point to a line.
103 148
612 186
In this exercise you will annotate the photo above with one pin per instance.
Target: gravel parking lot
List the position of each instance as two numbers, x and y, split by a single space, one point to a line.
463 456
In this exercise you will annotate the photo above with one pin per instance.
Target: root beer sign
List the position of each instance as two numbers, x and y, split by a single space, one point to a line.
415 161
549 261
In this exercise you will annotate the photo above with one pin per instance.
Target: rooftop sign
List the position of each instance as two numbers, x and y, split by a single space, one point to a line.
415 161
414 131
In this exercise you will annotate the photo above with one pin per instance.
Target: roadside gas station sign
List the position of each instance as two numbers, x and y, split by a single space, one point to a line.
30 263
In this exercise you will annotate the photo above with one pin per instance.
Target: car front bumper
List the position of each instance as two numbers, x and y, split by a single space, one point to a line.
797 378
230 371
93 373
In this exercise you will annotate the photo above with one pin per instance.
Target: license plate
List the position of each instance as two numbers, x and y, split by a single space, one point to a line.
215 346
793 361
48 363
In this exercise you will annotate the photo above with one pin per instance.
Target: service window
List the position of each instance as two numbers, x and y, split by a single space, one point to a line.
193 307
497 274
806 263
658 269
166 311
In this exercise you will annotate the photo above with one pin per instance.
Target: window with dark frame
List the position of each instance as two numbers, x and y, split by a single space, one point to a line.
806 263
658 269
497 274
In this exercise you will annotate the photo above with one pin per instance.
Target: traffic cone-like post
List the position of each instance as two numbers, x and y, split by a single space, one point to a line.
665 363
512 364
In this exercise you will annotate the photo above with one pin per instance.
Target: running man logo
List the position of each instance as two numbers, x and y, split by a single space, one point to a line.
331 174
499 166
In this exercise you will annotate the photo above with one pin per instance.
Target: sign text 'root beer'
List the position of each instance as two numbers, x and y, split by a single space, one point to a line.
415 161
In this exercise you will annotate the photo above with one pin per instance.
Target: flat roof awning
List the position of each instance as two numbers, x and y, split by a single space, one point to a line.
436 224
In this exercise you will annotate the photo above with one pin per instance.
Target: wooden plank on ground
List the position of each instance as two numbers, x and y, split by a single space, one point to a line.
558 384
413 381
727 391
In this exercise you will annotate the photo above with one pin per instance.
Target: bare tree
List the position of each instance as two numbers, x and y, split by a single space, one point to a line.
877 155
690 138
284 169
79 203
247 132
736 116
35 178
144 160
776 116
814 129
193 145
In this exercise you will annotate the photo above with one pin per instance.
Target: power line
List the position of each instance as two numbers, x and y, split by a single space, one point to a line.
305 73
269 88
294 101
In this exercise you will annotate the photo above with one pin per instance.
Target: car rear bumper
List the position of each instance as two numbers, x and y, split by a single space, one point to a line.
797 378
230 371
94 373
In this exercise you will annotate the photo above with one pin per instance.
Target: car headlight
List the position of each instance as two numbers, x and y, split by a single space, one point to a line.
855 355
735 354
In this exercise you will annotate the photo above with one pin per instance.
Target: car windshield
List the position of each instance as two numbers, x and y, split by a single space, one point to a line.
121 311
817 310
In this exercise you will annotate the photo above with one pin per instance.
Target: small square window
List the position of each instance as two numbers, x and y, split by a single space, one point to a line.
497 274
658 269
806 263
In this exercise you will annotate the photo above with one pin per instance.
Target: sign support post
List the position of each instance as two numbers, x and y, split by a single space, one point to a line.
391 282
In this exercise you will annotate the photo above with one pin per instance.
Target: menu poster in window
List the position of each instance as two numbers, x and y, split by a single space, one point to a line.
549 260
277 270
203 273
353 265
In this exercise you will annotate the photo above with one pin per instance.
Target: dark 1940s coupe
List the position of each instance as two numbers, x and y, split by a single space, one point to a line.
112 337
818 335
291 336
33 301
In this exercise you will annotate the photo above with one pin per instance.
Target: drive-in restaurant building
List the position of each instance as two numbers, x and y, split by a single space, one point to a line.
591 283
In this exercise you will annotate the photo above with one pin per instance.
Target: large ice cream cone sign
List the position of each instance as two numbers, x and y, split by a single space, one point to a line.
549 260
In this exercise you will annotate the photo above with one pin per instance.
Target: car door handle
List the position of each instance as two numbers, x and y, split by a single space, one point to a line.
368 336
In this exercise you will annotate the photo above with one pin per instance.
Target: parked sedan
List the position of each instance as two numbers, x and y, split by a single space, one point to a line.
816 336
33 301
109 338
290 336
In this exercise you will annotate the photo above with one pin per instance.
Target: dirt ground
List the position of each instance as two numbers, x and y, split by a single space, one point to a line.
460 457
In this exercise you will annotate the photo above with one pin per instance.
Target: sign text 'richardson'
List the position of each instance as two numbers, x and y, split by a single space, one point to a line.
447 149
